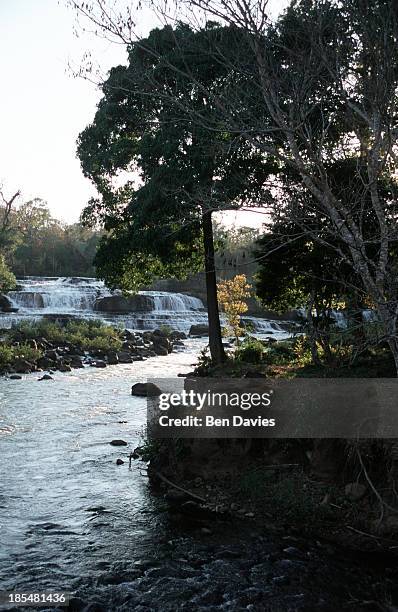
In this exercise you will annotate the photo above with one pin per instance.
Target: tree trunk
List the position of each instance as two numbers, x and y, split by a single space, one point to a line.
389 322
215 338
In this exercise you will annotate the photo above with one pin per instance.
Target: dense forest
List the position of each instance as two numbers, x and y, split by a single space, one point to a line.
34 243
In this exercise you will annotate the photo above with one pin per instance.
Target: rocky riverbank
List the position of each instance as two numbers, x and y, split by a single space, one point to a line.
59 346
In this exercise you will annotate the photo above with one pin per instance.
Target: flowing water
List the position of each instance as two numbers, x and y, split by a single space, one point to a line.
77 296
72 520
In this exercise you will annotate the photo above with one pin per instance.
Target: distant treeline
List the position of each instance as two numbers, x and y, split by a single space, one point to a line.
33 242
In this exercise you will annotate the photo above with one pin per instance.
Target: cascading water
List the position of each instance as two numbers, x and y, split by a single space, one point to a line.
57 295
82 297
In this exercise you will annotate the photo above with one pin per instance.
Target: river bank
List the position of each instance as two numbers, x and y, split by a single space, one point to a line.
62 345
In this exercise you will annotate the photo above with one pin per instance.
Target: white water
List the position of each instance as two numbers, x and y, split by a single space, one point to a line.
76 296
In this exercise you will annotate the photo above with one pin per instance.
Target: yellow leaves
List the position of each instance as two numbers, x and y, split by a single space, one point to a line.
231 297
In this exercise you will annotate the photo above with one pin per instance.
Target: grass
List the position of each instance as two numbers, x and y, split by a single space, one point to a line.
86 335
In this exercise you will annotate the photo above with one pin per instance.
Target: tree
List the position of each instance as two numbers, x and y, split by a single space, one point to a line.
164 226
232 295
318 85
328 78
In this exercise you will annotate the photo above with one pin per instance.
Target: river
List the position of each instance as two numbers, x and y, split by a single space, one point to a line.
73 520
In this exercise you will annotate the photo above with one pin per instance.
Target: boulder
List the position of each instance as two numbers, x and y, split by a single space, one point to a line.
120 304
22 367
178 335
161 333
64 367
199 329
124 357
99 364
112 358
119 461
160 350
5 303
45 363
76 361
46 377
354 491
161 341
145 390
15 377
118 443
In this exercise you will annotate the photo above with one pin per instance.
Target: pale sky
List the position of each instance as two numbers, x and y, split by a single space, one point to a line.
43 108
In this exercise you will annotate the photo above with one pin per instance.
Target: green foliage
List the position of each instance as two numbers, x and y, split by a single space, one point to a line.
7 278
87 335
155 229
38 244
251 350
149 449
281 352
8 354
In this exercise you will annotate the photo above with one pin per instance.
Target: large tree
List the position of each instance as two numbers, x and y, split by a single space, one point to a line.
319 84
149 122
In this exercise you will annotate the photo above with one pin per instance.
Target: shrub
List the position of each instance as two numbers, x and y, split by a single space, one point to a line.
24 351
87 335
6 355
251 350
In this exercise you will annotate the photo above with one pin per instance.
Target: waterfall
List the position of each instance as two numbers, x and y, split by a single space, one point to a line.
177 302
57 295
89 298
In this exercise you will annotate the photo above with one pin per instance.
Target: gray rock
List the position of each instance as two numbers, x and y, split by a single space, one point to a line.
15 377
199 330
178 335
120 304
124 357
145 390
119 462
23 367
46 363
46 377
112 358
99 364
118 443
160 350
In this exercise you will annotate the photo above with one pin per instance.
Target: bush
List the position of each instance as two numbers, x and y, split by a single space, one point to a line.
8 354
251 350
87 335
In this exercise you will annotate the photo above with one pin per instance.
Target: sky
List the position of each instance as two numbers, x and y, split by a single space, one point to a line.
43 108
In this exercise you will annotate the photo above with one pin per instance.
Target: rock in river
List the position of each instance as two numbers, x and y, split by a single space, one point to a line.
199 330
118 443
145 390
